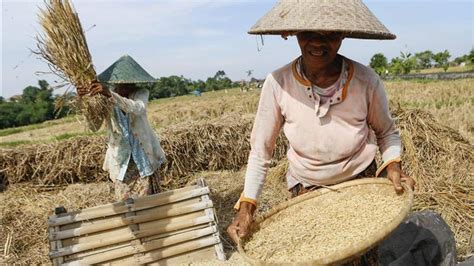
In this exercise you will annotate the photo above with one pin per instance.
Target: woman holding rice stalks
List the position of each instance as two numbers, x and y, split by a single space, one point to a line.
134 154
327 105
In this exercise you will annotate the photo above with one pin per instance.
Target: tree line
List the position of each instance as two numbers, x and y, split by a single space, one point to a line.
178 85
37 103
34 105
407 62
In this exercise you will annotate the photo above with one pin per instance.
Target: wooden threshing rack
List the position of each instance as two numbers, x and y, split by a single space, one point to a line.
169 228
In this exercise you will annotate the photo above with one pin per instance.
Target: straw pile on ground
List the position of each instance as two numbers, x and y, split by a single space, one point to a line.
24 215
441 161
63 46
219 144
318 230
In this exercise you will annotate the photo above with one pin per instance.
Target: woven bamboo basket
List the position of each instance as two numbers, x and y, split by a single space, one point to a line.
172 227
342 253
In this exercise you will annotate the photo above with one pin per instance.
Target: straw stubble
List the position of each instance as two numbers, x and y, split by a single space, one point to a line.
326 224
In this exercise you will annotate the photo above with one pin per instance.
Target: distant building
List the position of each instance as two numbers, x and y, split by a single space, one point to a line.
15 98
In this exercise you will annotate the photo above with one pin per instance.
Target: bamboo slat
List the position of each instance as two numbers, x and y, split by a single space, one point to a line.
219 248
125 234
167 252
122 207
87 253
144 247
207 254
114 222
145 211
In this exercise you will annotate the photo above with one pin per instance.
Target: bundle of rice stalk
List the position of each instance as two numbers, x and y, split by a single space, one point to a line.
63 46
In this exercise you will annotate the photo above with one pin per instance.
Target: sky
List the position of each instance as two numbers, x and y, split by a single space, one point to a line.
196 38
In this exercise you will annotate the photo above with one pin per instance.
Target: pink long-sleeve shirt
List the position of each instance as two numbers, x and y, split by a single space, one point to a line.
328 144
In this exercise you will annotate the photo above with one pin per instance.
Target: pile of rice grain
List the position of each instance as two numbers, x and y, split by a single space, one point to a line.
319 227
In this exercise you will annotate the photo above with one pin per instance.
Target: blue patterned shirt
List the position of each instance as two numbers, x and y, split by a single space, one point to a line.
130 148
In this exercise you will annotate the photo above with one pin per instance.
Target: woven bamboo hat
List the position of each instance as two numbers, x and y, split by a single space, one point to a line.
125 70
350 17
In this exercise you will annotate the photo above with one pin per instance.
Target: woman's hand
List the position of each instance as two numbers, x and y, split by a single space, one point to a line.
97 87
242 221
81 91
93 89
396 175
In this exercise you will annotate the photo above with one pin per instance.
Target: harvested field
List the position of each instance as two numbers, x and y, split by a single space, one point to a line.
450 102
198 137
162 113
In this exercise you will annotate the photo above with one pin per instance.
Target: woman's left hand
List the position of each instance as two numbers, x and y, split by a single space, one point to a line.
396 175
97 87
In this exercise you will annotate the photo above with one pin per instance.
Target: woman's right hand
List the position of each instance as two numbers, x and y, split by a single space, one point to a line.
94 88
240 226
81 91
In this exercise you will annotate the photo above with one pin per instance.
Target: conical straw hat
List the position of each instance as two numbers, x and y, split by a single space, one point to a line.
125 70
351 17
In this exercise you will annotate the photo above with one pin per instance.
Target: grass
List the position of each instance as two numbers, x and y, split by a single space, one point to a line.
12 144
15 130
65 136
440 70
74 135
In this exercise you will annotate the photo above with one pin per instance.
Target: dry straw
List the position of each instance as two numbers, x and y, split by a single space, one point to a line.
63 46
25 210
441 161
218 144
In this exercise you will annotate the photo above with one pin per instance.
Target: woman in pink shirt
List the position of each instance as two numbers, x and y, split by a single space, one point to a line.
326 104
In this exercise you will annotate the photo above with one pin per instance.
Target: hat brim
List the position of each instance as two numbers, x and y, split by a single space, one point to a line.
350 17
347 34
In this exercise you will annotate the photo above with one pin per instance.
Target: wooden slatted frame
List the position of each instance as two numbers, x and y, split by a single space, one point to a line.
170 226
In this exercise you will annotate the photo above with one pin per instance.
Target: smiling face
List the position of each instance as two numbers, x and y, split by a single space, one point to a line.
319 49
